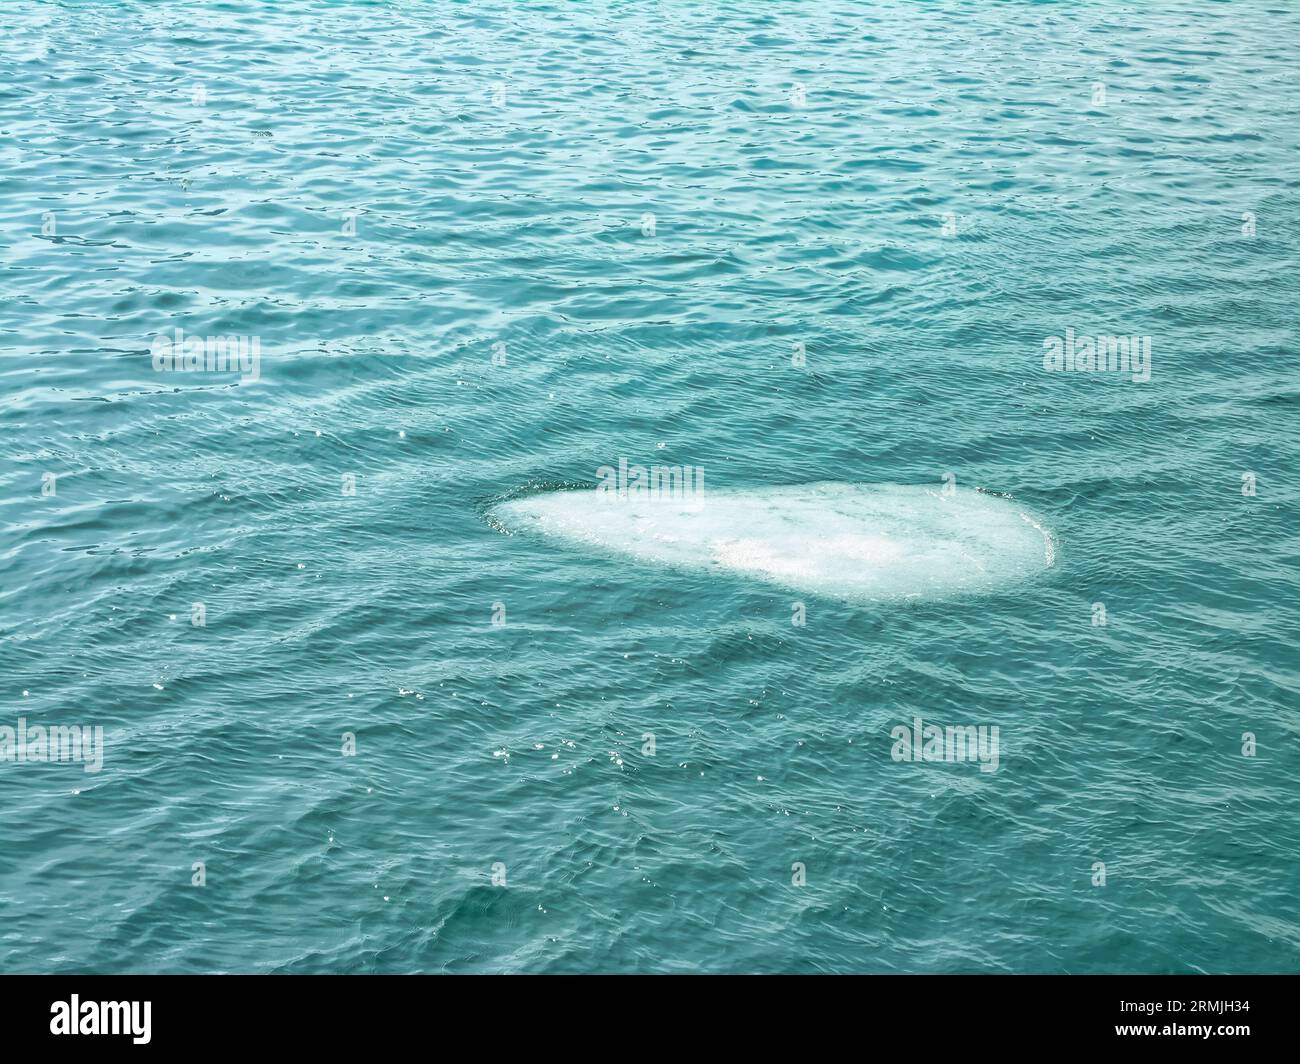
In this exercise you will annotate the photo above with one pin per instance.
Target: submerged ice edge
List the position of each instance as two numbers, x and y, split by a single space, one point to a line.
848 541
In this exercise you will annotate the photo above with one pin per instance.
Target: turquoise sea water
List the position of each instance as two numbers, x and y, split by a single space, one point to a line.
433 218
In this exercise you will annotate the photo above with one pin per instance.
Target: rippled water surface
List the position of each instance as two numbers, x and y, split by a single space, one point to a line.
487 249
